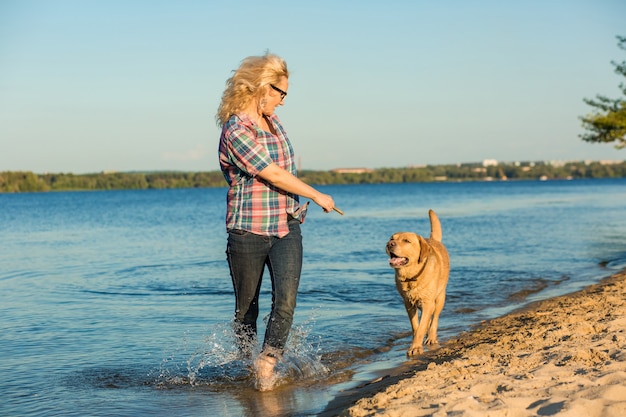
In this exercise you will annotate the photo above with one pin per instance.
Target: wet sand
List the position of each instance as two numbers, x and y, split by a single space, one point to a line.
565 356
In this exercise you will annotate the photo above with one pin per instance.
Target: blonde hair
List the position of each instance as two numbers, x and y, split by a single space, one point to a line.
251 80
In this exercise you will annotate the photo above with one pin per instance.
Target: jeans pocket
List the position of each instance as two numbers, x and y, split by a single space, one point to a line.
238 232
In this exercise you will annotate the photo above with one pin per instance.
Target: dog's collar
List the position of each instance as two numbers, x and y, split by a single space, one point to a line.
419 273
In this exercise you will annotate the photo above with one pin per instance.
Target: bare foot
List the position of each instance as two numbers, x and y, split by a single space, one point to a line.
265 375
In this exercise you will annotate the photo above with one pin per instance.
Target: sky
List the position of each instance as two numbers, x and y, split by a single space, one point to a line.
133 85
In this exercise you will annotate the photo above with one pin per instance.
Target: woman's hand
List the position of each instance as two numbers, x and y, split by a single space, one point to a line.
324 201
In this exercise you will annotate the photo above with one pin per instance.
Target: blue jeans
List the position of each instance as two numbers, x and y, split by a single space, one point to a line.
248 254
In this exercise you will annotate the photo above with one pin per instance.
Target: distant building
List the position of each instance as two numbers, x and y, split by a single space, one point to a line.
557 164
352 170
490 163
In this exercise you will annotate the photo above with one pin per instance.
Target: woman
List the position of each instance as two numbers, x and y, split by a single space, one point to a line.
263 213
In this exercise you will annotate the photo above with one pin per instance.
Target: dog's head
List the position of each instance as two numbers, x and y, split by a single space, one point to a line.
407 249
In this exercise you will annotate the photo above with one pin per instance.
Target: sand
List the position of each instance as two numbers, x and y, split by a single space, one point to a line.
565 356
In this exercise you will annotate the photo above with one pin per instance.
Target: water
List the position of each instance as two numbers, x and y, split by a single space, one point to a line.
120 302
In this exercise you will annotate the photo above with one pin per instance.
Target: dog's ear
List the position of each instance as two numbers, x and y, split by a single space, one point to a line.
425 249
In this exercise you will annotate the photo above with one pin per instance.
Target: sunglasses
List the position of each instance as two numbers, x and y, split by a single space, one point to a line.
283 94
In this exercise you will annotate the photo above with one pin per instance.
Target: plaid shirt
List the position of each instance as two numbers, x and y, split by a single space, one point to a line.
253 204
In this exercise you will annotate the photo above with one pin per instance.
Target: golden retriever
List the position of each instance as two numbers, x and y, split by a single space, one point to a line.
422 267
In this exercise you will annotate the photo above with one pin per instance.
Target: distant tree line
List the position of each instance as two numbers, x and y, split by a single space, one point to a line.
471 172
13 181
19 181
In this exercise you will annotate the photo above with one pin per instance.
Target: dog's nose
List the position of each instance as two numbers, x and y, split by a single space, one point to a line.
391 244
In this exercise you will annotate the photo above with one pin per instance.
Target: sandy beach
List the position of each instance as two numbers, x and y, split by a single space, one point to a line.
565 356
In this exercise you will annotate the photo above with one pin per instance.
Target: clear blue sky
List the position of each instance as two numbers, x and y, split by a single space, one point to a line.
87 86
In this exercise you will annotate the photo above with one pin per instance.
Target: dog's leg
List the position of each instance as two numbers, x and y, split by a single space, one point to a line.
419 327
432 331
416 345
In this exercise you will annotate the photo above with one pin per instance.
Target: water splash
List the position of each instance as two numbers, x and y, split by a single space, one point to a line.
302 358
219 363
219 359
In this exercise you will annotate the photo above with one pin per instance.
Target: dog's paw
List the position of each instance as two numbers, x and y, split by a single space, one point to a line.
431 341
415 350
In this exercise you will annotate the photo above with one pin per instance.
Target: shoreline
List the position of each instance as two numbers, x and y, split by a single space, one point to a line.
562 356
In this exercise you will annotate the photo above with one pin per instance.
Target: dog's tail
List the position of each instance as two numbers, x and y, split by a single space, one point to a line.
435 226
